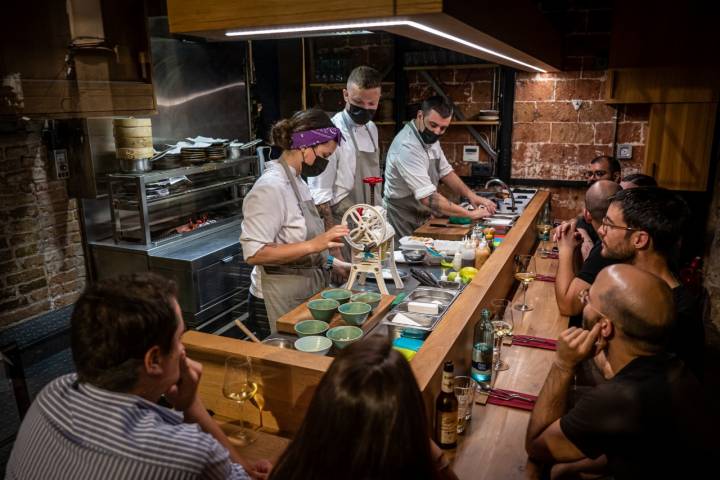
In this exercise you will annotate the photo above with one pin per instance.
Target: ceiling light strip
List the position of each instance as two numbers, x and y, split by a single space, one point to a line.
381 24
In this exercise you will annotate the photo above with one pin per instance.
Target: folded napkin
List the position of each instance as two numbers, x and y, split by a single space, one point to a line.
536 342
552 256
502 397
545 278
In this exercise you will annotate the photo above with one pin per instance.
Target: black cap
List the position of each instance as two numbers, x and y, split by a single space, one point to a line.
448 367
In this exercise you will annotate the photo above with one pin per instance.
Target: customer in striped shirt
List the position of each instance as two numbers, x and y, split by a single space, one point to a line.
105 421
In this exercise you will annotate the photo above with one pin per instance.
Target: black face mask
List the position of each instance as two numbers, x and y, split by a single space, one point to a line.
316 168
428 136
360 115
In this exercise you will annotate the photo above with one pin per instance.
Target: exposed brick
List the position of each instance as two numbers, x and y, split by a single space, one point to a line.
25 276
556 112
583 89
534 90
16 152
595 112
4 242
25 313
65 277
455 134
474 75
531 132
459 93
26 251
66 300
587 152
604 133
34 285
13 304
524 112
572 133
37 295
630 132
481 92
29 262
598 74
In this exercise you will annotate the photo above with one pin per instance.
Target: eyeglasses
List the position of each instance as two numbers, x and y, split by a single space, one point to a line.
596 173
606 223
584 297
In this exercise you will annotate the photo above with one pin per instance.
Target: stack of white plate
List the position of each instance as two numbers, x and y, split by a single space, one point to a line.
133 138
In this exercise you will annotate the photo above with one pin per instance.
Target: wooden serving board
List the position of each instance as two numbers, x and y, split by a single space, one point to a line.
286 323
454 232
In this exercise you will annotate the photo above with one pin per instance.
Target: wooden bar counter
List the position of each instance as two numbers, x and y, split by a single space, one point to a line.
288 378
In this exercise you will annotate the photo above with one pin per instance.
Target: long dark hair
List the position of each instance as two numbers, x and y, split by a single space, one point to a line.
366 421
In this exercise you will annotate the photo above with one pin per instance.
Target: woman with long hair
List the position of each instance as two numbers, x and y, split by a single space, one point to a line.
283 236
366 421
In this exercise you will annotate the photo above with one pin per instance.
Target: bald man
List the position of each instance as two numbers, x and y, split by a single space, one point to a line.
647 420
575 274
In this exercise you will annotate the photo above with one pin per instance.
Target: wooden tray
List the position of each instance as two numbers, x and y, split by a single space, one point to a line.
454 232
287 322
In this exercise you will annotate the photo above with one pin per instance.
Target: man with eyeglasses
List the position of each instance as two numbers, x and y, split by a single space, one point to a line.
603 167
643 227
648 419
416 165
573 274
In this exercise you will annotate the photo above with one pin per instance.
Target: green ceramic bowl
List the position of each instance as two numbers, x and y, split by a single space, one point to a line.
344 336
354 313
313 344
310 327
371 298
323 308
340 294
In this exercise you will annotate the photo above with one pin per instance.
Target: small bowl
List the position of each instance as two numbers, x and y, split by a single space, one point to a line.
310 327
344 336
279 342
354 313
371 298
313 344
341 295
414 255
323 308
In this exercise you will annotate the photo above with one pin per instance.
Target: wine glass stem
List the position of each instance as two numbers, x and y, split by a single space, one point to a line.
525 287
499 349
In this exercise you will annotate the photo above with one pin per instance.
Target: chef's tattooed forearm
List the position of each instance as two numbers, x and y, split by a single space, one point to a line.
326 213
434 204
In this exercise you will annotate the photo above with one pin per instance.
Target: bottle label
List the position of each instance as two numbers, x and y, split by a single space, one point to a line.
482 357
448 427
447 382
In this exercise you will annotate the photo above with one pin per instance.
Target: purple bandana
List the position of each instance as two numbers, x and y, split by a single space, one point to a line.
310 138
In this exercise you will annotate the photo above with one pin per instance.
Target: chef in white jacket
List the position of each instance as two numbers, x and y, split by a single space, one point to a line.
341 186
416 164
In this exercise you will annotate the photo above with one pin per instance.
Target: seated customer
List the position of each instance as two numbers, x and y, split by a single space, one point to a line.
104 422
574 275
366 421
637 180
644 227
647 420
603 167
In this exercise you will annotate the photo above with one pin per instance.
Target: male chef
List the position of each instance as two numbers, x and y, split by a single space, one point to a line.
414 167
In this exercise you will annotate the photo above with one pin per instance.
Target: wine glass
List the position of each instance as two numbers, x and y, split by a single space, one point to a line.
238 387
503 323
525 272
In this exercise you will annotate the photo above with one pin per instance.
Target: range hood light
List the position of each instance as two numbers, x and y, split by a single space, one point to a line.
339 29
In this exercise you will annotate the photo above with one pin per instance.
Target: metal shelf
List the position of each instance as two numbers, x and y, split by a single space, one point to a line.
158 175
465 66
159 200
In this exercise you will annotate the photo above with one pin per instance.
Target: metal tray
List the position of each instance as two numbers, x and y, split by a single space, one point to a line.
440 296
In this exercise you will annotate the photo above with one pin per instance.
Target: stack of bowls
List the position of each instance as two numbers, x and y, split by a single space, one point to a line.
133 144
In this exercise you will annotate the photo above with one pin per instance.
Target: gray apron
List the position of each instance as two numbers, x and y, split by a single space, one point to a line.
286 286
367 164
407 214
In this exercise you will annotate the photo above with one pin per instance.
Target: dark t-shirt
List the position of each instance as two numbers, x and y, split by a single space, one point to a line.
589 271
688 340
648 420
581 223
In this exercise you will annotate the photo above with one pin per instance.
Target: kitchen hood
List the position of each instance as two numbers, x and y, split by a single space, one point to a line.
515 34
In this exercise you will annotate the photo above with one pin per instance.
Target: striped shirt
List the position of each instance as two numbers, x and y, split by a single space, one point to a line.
78 431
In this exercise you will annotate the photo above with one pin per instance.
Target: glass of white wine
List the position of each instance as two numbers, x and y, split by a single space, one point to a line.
525 272
503 324
238 387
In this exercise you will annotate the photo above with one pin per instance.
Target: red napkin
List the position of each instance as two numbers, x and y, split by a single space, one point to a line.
545 278
552 256
497 398
536 342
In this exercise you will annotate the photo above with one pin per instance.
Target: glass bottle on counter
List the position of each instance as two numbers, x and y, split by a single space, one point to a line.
482 353
544 224
446 410
468 254
481 254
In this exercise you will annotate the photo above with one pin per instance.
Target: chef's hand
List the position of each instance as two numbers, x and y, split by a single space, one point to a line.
478 213
330 239
478 201
575 345
182 395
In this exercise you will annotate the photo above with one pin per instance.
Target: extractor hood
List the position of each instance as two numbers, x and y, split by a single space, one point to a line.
515 34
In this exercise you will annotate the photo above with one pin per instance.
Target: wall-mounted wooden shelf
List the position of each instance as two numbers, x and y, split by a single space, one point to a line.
466 66
340 85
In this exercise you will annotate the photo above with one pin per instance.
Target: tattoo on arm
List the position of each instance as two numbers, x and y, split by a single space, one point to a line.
434 204
326 213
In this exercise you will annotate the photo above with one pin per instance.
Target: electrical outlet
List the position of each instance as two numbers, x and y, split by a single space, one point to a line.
60 161
624 151
471 153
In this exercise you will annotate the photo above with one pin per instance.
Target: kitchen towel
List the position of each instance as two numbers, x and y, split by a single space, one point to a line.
535 342
502 397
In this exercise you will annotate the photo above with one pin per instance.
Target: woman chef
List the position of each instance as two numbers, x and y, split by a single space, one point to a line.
282 233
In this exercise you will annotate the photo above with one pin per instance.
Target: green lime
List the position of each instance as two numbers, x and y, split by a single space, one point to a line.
452 276
446 264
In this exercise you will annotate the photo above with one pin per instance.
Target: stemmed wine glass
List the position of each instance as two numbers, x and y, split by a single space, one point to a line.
525 272
238 387
503 323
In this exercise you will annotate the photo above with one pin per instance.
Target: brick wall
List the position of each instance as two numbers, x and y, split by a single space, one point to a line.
42 265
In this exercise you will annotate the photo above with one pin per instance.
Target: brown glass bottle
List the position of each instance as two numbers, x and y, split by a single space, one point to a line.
446 411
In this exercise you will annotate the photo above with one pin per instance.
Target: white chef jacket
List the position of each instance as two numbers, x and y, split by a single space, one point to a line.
406 166
338 179
271 214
